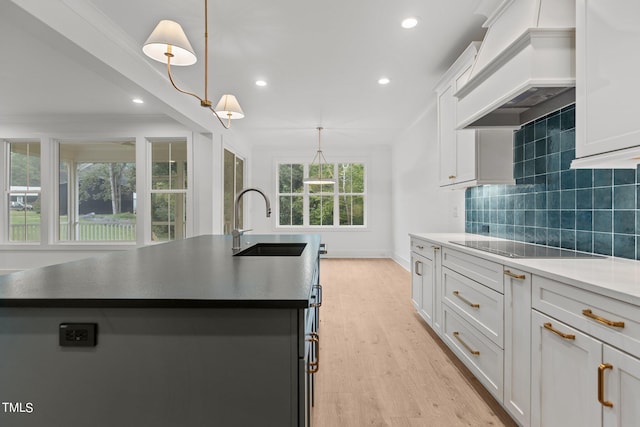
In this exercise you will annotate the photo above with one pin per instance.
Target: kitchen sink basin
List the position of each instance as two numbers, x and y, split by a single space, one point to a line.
273 249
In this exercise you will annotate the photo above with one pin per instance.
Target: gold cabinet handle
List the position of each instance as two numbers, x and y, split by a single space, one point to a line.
515 276
319 303
452 176
587 312
436 248
557 332
420 247
465 345
314 365
417 270
466 301
601 370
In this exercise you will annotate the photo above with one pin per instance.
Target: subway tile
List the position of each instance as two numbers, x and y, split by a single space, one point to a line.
624 176
568 199
568 239
568 119
540 165
568 140
584 220
602 177
553 124
553 200
540 128
624 246
624 197
528 132
588 210
584 241
584 199
624 222
603 221
553 219
553 237
565 159
584 178
603 243
567 220
541 236
602 198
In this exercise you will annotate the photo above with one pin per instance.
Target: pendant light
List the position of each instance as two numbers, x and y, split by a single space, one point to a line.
169 44
320 178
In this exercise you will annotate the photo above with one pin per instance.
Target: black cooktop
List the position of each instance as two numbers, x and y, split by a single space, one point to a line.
514 249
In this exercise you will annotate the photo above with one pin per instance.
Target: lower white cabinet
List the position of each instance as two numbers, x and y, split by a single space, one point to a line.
585 370
517 344
425 283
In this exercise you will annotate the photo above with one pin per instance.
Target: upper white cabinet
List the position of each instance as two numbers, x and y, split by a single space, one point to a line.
607 86
469 157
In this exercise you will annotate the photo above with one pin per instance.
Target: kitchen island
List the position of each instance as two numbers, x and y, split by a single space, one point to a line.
182 333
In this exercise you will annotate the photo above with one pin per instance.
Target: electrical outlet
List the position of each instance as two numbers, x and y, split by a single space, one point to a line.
78 334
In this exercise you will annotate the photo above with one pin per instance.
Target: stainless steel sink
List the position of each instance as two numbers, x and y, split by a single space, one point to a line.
273 249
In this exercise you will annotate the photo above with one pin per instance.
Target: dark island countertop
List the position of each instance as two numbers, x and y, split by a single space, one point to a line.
197 272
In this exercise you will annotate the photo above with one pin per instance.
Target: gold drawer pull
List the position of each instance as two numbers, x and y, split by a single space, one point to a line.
452 176
466 301
314 365
469 349
601 369
515 276
587 312
420 247
557 332
436 248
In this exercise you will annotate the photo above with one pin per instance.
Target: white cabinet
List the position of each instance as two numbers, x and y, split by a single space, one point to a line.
563 375
469 157
517 344
607 86
425 272
584 366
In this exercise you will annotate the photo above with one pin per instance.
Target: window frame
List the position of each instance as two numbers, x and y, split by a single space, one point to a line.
306 226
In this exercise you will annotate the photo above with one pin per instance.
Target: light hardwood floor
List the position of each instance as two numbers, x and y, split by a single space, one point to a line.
380 364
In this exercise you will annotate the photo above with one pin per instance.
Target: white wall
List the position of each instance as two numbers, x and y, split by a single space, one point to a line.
374 241
419 204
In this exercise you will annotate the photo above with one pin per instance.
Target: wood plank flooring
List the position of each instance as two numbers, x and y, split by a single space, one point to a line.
380 364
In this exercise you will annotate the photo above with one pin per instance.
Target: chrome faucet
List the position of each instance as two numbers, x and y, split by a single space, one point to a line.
236 233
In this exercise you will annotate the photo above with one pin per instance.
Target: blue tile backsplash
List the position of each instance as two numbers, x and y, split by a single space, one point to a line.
591 210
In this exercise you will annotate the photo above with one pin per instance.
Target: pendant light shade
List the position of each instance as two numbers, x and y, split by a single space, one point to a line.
169 44
168 36
323 176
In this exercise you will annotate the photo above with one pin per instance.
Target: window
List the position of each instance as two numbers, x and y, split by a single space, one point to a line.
233 184
24 192
323 205
97 191
168 190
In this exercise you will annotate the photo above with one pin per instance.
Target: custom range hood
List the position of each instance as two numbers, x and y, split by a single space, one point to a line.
525 67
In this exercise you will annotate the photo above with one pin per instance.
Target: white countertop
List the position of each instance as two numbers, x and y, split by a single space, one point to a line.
617 278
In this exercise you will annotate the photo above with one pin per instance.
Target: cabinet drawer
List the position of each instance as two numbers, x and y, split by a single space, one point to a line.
486 272
480 355
423 247
570 304
477 304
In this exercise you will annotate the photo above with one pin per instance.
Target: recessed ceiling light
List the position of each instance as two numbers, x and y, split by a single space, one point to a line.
409 23
383 81
261 83
137 101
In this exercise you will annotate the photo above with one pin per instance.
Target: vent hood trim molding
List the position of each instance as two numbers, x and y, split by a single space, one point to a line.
496 84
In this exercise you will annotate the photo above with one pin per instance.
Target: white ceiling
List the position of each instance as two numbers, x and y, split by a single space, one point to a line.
321 60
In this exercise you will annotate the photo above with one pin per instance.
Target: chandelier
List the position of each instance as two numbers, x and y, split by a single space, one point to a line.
169 44
319 157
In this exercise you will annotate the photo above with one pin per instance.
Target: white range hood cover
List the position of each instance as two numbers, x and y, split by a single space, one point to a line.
525 67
